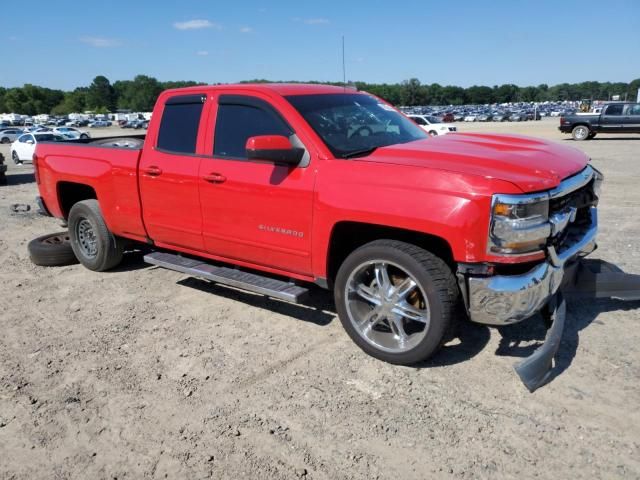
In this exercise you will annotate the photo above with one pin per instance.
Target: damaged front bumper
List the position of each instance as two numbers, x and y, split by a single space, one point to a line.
505 299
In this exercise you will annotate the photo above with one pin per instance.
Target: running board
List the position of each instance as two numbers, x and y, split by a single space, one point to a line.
229 276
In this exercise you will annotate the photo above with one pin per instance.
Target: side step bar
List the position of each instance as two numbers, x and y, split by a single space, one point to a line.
229 276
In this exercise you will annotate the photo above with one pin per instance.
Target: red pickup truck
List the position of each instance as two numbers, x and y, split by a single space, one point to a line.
272 187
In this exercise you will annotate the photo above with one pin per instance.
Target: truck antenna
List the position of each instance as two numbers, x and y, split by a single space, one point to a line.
344 70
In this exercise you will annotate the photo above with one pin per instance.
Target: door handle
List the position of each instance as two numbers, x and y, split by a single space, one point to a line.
214 178
153 171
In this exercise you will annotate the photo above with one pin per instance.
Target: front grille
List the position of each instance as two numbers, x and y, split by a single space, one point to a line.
582 200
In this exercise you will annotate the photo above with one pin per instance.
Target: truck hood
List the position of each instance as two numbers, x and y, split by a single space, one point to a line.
529 163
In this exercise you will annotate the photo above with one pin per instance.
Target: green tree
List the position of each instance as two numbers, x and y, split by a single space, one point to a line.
101 94
480 95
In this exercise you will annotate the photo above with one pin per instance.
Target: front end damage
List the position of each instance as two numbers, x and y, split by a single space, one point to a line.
501 299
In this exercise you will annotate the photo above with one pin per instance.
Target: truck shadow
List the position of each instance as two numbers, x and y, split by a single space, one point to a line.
317 309
469 340
20 178
522 339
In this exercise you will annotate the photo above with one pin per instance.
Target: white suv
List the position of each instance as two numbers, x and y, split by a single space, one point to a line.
432 125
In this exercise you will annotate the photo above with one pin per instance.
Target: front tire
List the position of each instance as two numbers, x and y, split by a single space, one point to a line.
580 133
433 133
16 159
396 300
94 245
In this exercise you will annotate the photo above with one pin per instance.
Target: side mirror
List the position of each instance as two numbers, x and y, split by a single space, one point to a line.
273 148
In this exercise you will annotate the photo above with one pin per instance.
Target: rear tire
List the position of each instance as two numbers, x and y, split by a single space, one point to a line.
95 246
580 133
52 250
433 133
383 313
5 140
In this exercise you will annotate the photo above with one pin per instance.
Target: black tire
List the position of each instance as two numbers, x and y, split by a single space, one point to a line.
84 136
580 133
592 135
3 179
433 276
95 246
433 133
15 158
52 250
5 140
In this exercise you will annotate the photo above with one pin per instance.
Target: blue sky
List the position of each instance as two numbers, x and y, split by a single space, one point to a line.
460 42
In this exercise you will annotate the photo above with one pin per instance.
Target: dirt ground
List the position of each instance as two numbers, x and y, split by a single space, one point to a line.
145 373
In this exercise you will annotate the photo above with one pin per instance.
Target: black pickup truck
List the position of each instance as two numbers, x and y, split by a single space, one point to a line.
614 118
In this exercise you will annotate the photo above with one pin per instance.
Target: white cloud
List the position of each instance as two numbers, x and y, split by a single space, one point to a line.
101 42
196 24
202 53
316 21
246 30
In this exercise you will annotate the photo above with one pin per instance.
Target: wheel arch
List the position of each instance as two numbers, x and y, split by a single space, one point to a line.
70 193
346 236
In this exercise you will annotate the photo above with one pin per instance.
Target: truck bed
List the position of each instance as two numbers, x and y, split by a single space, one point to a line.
108 166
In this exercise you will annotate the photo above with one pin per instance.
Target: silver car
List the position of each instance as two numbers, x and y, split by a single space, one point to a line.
9 135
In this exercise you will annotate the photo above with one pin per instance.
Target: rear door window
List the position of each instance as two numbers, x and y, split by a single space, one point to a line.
614 110
180 122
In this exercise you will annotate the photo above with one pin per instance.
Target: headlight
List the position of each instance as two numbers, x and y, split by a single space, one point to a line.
519 223
598 179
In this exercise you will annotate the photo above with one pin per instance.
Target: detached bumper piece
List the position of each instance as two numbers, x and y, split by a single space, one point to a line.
535 370
600 279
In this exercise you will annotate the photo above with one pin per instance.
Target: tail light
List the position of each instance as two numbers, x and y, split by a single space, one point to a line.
561 120
36 169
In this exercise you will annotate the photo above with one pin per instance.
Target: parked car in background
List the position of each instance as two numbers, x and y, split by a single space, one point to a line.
23 148
431 125
10 135
448 117
3 169
71 132
470 118
99 124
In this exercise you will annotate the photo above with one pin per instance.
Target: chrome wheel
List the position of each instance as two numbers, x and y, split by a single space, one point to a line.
387 306
580 133
87 238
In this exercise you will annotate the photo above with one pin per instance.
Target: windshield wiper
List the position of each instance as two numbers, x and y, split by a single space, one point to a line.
360 153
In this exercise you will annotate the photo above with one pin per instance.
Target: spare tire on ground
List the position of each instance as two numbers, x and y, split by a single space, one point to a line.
52 250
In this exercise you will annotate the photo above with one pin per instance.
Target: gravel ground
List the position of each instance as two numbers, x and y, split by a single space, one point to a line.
145 373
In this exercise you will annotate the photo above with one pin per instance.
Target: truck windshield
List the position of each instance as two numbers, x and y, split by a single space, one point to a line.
355 124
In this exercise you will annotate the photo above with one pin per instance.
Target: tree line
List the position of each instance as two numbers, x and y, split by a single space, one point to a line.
139 94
